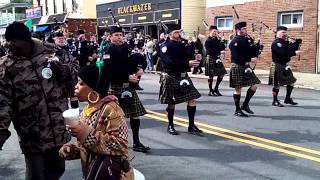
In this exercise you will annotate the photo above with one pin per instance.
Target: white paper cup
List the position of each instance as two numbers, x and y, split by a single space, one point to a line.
71 116
138 175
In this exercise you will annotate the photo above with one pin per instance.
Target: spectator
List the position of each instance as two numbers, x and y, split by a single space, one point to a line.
31 98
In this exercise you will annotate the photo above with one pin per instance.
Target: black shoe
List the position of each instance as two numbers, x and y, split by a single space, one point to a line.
172 131
194 72
247 109
201 71
194 130
216 92
211 93
277 103
138 88
239 113
140 148
290 101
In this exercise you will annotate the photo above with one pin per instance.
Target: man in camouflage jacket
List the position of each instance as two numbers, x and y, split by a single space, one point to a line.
33 99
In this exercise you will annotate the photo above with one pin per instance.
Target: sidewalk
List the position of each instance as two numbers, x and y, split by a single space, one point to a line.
304 80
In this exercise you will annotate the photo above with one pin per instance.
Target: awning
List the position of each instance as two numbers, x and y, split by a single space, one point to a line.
56 18
41 28
35 21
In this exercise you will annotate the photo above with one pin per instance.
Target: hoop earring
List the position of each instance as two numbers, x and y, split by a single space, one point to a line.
93 101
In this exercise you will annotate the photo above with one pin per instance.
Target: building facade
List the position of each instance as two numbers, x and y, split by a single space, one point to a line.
12 10
144 16
140 15
72 15
300 16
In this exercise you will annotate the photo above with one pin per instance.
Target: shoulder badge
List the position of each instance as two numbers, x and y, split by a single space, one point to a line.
235 44
164 49
279 45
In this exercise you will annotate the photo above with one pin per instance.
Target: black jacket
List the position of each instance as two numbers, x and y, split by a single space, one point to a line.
176 56
214 46
242 50
282 51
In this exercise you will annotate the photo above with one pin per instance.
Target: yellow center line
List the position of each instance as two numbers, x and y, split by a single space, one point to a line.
265 146
244 135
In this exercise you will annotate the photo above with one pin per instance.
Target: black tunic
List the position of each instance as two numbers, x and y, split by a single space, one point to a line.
282 51
242 50
120 63
214 46
176 56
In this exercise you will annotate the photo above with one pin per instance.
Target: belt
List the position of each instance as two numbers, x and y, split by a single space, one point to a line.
178 74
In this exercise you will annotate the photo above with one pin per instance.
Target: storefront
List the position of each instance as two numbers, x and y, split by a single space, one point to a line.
139 15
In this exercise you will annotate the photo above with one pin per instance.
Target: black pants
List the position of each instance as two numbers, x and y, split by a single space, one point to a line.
44 166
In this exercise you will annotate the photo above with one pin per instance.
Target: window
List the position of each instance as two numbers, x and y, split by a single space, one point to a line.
224 23
291 19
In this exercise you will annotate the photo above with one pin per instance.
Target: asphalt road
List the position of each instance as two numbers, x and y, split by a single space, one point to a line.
275 143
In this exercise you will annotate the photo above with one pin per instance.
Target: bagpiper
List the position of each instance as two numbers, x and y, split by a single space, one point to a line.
176 85
215 49
281 73
243 51
125 69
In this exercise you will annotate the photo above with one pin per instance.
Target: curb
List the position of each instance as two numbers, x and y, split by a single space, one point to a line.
264 78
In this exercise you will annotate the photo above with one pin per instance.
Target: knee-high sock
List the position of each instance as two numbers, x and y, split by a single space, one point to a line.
191 113
289 91
135 126
170 114
236 98
210 84
275 93
249 95
219 80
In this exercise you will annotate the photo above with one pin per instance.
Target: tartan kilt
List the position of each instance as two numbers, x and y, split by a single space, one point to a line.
170 93
159 65
135 109
211 69
237 79
278 77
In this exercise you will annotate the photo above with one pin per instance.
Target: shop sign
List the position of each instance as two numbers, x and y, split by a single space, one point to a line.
136 8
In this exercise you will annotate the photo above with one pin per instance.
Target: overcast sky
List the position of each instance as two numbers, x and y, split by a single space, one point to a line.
104 1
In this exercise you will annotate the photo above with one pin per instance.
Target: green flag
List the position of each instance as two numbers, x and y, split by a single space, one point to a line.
28 23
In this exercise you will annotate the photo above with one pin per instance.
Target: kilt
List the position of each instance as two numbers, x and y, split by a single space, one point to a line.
170 93
211 69
237 79
135 109
159 65
278 76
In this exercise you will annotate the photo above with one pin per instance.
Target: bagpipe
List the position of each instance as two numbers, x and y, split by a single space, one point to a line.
115 21
256 27
164 27
294 44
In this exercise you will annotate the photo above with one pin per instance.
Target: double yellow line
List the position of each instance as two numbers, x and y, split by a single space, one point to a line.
268 144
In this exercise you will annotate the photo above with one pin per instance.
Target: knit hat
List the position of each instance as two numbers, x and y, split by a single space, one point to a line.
80 31
282 28
58 34
173 27
115 29
213 27
17 31
90 75
240 25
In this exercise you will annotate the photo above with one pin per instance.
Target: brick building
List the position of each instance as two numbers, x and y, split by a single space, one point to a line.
300 16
